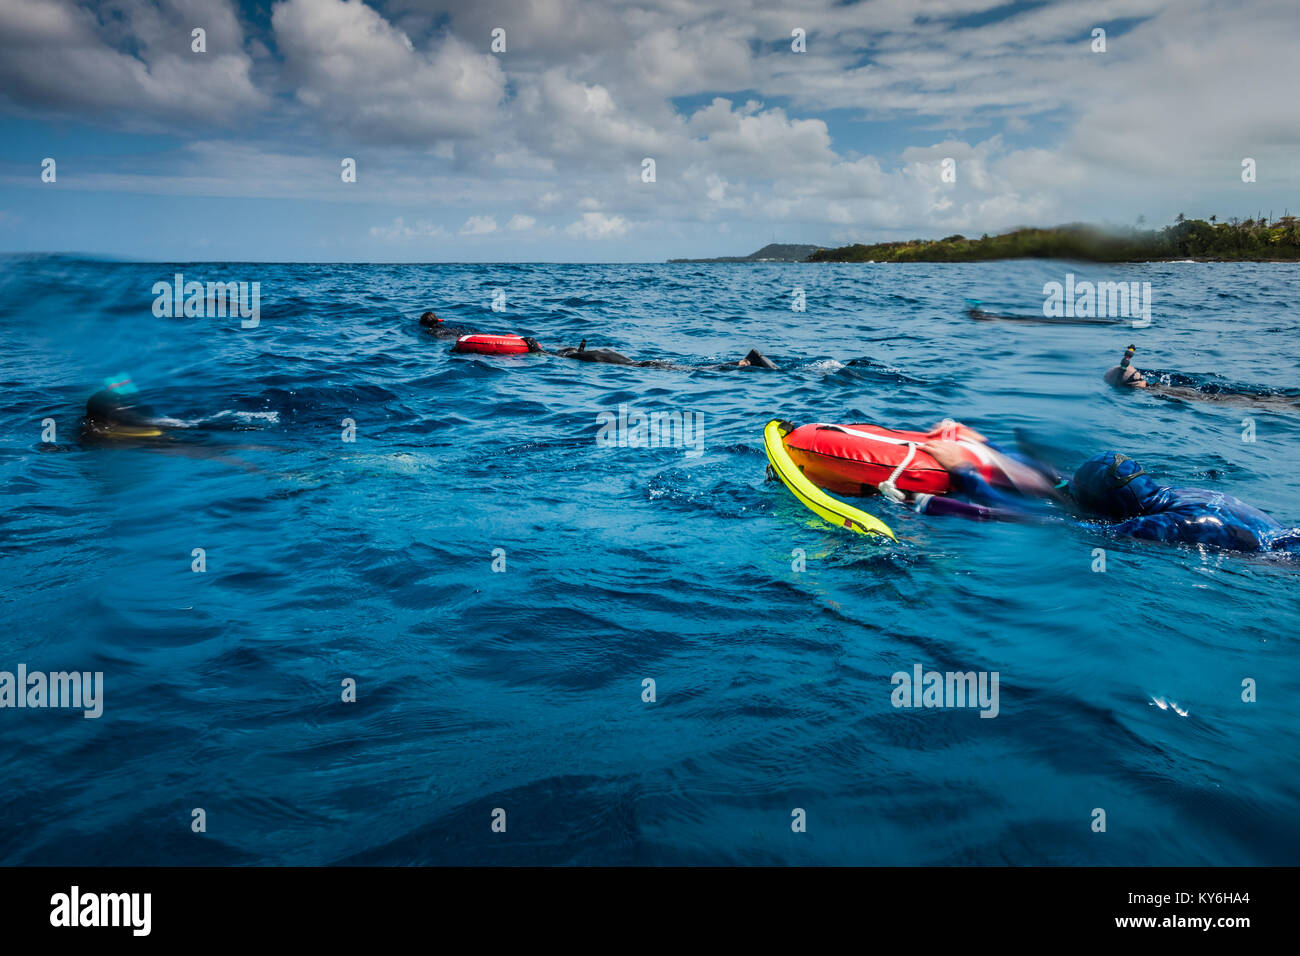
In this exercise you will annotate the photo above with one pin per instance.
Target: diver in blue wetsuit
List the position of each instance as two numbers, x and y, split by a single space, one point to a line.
1114 487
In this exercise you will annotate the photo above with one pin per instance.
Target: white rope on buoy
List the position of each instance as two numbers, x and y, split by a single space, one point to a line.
887 487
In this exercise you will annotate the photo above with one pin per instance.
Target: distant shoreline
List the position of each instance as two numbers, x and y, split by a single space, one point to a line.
772 252
1187 240
746 261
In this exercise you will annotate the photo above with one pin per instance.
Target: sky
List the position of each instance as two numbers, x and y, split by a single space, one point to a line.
538 152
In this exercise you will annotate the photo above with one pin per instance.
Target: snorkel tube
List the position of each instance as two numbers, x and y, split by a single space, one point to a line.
1128 356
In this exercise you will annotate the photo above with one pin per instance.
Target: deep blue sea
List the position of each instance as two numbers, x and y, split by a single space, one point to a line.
522 689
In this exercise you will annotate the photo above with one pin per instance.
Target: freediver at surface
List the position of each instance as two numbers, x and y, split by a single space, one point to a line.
754 359
976 311
1185 388
440 329
1113 488
115 417
114 413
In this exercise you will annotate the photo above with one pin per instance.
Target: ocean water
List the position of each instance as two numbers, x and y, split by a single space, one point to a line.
522 690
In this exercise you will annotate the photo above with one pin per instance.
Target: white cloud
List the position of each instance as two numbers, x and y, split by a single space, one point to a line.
597 225
58 55
754 141
359 70
478 226
679 60
442 128
581 123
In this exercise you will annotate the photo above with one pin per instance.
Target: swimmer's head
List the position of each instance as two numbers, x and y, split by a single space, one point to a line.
430 320
1112 485
532 344
1121 377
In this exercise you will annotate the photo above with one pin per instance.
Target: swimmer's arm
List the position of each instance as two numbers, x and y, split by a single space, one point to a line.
969 483
945 505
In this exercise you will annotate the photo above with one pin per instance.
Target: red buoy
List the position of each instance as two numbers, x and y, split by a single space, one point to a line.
491 344
855 459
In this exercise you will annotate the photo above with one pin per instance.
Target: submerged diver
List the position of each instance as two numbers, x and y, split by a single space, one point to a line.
1126 375
116 418
754 359
975 309
1114 488
114 414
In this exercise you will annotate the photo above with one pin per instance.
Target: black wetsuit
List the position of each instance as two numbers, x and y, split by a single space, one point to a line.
1188 388
606 356
1224 394
975 312
436 327
755 359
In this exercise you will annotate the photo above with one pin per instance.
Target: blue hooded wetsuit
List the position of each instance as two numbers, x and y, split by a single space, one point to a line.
1116 487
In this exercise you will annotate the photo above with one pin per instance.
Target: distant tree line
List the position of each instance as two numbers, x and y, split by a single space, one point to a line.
1244 239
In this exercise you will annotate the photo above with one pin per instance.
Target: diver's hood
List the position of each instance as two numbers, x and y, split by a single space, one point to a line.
109 408
1113 485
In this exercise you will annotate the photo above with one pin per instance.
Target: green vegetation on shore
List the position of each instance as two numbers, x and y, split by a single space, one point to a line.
1250 239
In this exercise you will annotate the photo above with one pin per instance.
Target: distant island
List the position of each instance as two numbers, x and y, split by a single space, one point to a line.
772 252
1237 240
1256 240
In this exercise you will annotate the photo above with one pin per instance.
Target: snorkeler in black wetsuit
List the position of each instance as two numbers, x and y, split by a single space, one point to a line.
976 311
755 358
436 327
1184 388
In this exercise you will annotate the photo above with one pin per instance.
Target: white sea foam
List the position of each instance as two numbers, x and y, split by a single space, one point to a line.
826 365
247 417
